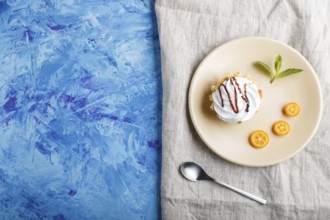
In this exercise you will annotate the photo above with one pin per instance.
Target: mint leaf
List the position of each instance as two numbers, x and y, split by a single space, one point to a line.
288 72
264 67
278 63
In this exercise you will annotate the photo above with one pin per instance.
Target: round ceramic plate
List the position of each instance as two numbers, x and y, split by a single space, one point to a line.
230 141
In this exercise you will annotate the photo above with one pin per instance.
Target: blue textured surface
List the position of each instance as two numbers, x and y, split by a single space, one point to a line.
80 108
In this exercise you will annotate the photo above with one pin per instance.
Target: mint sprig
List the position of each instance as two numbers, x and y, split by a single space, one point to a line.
277 66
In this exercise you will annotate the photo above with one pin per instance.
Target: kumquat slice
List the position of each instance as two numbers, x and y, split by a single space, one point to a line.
291 109
281 128
259 139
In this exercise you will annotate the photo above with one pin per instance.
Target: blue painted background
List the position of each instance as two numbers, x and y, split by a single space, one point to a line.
80 109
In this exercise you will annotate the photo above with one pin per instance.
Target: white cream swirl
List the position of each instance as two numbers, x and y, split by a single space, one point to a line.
237 99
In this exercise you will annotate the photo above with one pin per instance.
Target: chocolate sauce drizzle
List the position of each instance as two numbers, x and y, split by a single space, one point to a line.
234 106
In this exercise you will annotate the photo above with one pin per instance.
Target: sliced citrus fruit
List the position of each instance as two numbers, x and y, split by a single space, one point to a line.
281 128
291 109
259 139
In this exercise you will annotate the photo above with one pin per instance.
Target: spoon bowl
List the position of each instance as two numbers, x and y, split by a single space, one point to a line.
193 172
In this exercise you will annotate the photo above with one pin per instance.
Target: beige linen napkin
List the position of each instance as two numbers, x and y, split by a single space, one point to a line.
298 188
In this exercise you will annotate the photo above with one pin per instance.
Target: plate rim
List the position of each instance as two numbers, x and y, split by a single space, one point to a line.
192 117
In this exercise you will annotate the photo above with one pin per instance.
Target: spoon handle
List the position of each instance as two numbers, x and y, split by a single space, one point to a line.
246 194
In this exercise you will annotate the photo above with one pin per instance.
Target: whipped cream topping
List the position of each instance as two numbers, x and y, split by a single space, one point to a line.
237 99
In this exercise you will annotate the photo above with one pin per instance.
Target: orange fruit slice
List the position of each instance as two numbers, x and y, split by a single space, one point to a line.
259 139
281 128
291 109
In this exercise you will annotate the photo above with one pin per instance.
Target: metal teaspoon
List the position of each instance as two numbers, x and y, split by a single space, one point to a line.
192 171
